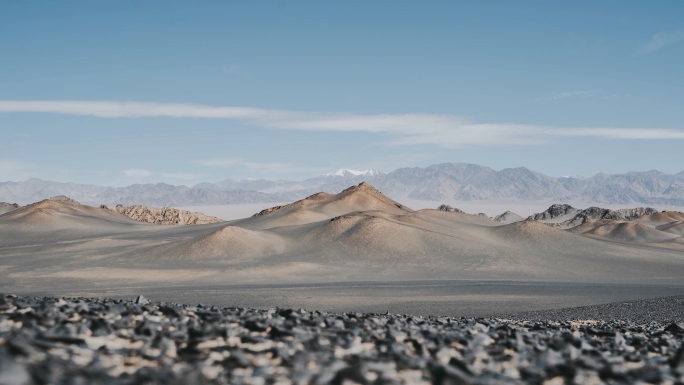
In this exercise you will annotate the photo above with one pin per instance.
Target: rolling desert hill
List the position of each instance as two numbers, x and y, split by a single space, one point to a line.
323 206
631 232
661 218
673 228
53 215
357 235
61 220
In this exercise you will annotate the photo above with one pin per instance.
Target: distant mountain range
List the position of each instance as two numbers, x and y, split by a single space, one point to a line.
440 182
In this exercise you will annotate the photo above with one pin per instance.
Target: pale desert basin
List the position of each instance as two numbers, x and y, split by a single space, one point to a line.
353 251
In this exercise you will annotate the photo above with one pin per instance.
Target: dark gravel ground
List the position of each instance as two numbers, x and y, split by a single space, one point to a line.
643 311
104 341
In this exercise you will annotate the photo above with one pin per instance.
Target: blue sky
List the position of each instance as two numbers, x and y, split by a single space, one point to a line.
128 92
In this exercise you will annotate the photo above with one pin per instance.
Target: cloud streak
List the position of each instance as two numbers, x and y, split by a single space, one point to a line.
661 40
571 94
402 129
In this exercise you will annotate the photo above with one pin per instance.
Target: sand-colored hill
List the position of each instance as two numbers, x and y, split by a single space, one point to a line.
50 215
676 228
532 231
661 218
631 232
7 207
60 220
322 206
357 235
588 226
163 215
229 243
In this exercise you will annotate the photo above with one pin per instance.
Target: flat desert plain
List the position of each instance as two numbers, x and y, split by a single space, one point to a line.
353 251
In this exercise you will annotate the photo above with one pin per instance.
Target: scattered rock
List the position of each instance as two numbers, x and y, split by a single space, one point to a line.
50 340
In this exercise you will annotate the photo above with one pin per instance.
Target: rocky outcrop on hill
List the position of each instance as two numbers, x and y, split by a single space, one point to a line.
62 198
508 217
450 209
631 214
7 207
593 214
553 212
163 215
267 211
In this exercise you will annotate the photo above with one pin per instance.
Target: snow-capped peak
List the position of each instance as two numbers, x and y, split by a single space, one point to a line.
345 172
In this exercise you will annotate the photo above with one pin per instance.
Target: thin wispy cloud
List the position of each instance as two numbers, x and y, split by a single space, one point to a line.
402 129
661 40
573 94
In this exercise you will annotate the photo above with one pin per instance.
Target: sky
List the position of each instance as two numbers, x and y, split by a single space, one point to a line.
116 93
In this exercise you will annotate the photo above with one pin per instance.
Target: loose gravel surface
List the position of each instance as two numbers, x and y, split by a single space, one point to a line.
642 311
105 341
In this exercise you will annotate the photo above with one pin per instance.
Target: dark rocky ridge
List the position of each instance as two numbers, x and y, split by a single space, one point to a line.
553 212
450 209
73 341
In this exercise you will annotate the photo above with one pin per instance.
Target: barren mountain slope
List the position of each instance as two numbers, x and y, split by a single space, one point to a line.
631 232
676 228
358 234
227 244
163 215
60 219
661 218
322 206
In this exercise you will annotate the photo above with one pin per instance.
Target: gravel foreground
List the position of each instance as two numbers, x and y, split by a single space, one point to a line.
105 341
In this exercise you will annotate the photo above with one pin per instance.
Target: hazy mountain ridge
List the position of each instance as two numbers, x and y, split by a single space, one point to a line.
448 181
